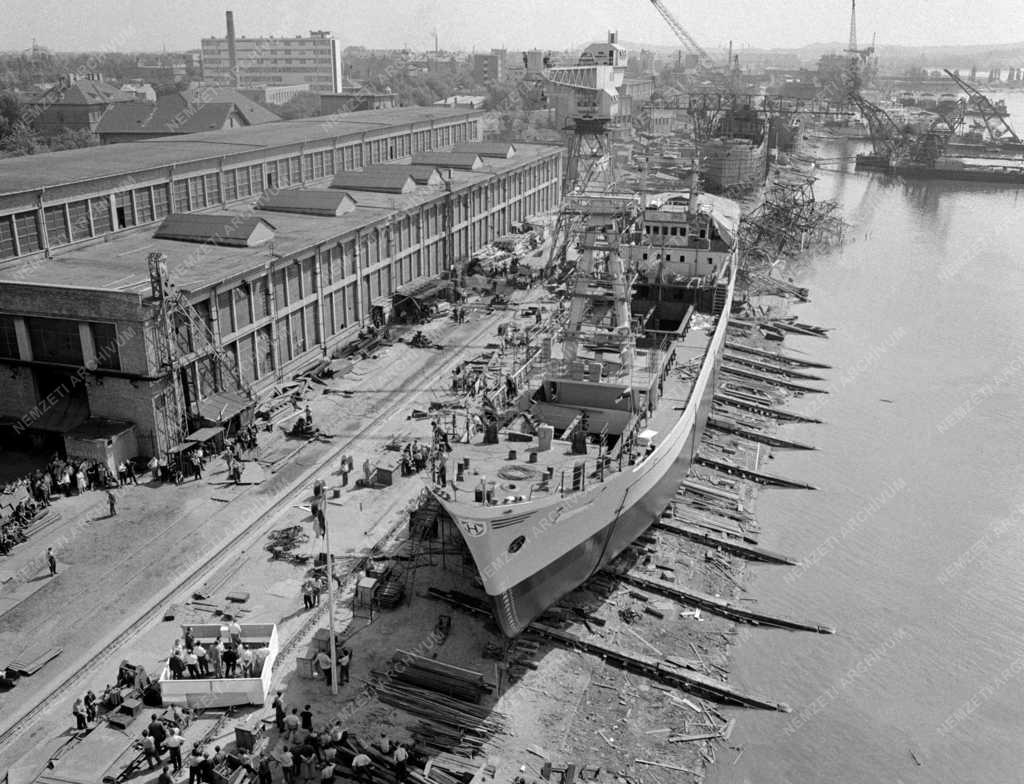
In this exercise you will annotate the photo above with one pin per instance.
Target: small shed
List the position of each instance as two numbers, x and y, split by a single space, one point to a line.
108 441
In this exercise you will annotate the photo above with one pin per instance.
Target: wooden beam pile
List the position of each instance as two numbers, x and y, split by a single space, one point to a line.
447 679
446 724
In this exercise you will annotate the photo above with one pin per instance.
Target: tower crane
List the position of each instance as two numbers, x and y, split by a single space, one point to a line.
684 37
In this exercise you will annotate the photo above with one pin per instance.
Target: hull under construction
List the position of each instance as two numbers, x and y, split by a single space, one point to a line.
629 433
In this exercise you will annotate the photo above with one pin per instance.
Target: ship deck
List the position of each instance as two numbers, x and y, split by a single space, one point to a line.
515 470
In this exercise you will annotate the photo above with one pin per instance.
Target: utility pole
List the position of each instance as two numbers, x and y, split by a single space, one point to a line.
330 597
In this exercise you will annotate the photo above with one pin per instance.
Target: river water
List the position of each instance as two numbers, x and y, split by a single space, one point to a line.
913 545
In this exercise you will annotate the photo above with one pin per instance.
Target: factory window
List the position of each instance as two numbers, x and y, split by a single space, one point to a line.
338 307
125 211
256 178
311 332
264 351
224 314
703 233
78 211
280 278
8 338
298 333
244 186
243 306
349 258
230 186
335 264
260 298
284 338
143 205
306 268
246 359
307 167
212 182
180 197
284 178
196 193
104 341
329 167
318 165
27 226
55 340
294 283
56 225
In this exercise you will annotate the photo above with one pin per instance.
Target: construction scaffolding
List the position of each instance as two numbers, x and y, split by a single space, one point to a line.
191 362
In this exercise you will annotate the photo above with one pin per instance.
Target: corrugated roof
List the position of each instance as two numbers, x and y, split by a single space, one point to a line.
488 149
380 180
241 231
421 175
187 112
330 203
467 161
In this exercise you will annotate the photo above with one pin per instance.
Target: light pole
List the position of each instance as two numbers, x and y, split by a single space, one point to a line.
330 597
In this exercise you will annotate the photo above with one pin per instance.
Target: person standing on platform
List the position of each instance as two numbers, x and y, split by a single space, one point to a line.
112 503
51 561
236 632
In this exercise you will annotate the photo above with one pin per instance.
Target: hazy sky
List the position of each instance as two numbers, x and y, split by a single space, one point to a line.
546 24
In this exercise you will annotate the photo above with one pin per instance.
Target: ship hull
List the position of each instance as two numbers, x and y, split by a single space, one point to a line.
530 555
516 607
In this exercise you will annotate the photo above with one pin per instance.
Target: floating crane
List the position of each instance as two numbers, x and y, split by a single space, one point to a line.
988 112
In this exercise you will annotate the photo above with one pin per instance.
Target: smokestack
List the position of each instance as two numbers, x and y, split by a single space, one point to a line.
232 59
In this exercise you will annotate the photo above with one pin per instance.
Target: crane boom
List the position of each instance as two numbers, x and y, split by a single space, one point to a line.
984 106
684 37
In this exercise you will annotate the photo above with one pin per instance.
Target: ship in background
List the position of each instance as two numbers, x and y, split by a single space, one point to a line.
737 154
584 455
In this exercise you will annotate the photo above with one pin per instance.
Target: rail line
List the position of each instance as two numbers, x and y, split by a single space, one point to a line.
27 718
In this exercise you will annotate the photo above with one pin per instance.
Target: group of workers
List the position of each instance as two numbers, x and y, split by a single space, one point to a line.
218 659
308 754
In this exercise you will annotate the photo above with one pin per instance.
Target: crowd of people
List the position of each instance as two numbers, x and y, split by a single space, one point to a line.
60 478
229 658
308 754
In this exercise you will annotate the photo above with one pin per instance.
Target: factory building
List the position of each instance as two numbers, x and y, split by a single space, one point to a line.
164 284
243 61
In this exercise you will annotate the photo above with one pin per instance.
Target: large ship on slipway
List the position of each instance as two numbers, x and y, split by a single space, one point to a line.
572 468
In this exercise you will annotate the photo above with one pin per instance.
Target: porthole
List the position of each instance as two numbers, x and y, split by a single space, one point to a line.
517 544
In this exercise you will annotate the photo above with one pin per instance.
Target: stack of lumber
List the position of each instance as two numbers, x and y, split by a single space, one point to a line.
462 684
461 768
446 724
31 661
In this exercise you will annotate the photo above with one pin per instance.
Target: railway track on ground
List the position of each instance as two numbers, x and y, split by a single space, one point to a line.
24 721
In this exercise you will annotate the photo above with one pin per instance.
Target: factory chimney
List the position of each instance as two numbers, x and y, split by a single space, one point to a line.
232 58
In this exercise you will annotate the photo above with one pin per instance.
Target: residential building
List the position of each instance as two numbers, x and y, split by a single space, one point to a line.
192 111
315 61
75 105
488 68
268 268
